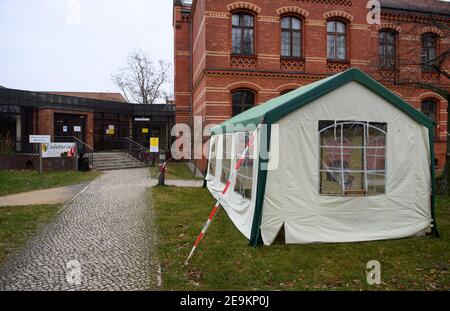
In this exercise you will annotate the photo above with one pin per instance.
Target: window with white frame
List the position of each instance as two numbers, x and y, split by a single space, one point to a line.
213 157
352 158
244 177
227 141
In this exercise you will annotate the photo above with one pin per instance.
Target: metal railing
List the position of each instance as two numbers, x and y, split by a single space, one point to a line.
83 150
138 151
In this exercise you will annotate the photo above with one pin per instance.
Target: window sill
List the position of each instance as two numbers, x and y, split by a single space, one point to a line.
243 56
292 58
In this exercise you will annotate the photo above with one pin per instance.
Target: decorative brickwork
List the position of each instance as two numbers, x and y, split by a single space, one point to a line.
348 3
243 62
338 13
292 9
292 65
244 5
337 67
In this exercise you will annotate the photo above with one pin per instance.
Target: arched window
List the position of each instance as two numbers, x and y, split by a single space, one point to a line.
429 51
429 109
352 158
242 100
388 49
336 40
243 33
291 36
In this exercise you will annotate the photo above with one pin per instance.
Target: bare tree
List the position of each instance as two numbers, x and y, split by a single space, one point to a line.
415 68
141 81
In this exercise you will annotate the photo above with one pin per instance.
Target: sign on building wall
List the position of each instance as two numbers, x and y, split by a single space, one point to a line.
39 139
154 144
58 150
110 130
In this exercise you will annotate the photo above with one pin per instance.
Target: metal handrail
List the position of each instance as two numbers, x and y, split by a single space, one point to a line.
133 142
90 150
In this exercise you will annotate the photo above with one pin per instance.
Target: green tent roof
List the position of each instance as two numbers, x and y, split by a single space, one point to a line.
279 107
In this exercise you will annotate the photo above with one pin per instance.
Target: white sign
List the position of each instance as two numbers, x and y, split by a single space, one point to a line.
65 128
59 150
39 139
141 119
77 129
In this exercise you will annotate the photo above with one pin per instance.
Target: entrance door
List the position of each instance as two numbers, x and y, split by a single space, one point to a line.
70 125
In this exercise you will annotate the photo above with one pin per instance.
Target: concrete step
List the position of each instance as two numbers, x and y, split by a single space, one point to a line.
115 160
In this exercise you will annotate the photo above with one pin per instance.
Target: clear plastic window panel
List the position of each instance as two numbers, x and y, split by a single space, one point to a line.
213 158
226 158
352 158
244 177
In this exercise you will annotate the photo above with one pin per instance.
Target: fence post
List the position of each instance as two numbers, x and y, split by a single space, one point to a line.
162 168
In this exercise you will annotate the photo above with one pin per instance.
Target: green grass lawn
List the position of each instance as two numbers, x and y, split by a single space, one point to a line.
21 181
19 223
224 260
175 170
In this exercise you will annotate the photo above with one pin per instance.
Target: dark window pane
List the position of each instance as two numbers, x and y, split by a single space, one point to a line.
296 23
330 47
242 100
340 27
237 40
331 26
248 21
236 19
341 47
285 22
285 43
248 41
296 44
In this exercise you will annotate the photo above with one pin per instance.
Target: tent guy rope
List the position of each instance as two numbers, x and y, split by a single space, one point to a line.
217 206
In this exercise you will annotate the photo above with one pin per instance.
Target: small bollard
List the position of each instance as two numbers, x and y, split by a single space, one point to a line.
162 169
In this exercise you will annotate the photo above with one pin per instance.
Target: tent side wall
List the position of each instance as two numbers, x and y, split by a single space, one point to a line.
292 189
240 209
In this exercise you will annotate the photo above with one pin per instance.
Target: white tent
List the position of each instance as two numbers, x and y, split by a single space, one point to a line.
348 161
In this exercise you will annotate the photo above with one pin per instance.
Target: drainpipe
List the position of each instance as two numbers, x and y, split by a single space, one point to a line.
191 86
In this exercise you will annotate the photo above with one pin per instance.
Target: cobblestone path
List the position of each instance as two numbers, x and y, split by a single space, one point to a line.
103 240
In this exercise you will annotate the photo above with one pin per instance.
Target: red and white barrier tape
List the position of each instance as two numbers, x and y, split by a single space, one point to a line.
217 205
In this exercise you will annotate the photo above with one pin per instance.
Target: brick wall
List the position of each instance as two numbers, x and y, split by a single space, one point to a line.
216 72
45 123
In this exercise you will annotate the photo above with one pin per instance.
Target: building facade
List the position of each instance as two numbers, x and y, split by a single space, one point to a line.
232 55
99 120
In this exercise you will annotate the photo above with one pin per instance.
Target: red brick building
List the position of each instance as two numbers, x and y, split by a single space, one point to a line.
231 55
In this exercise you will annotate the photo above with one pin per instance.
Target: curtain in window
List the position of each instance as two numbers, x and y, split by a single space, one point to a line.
291 36
242 34
336 40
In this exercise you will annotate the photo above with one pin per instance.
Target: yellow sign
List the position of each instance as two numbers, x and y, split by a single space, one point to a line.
110 132
154 144
144 130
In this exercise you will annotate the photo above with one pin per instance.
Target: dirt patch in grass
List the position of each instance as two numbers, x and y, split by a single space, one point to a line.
225 261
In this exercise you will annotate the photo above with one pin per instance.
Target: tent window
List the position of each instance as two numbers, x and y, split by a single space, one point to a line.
352 157
226 158
244 177
213 158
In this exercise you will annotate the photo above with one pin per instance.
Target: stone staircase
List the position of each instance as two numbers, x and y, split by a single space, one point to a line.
115 161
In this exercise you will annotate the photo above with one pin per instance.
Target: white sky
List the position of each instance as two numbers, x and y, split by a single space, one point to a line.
46 46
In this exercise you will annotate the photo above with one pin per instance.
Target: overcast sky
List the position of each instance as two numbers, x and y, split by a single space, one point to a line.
50 45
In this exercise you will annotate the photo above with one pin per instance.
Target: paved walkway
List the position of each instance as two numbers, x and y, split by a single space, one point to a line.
103 240
46 196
